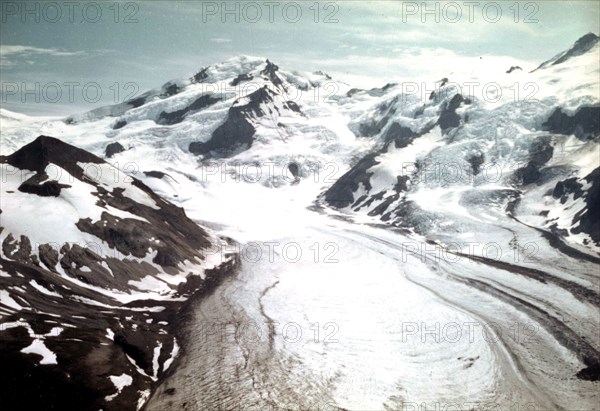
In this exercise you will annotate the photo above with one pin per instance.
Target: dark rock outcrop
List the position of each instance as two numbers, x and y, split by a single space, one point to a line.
155 174
119 124
170 89
528 174
581 46
294 169
565 188
322 73
137 102
237 132
401 184
240 79
540 152
448 116
476 160
34 185
270 71
341 193
401 136
48 256
374 126
178 116
200 76
17 249
588 219
36 156
112 149
378 92
353 91
585 124
293 106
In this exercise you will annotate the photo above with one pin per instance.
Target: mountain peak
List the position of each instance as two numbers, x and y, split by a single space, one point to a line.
587 38
270 71
583 44
43 150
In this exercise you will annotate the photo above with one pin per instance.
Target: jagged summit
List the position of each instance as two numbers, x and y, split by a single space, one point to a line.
238 130
271 72
234 67
181 97
581 46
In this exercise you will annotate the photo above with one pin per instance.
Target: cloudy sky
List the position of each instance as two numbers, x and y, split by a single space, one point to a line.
127 47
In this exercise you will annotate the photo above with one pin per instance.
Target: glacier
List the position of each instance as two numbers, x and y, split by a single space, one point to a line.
423 245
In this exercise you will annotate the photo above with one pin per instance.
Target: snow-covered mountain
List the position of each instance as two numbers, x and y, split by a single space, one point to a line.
581 46
95 268
98 255
456 155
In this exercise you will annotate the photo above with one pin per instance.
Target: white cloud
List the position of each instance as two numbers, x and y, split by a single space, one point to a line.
409 64
8 53
220 40
15 49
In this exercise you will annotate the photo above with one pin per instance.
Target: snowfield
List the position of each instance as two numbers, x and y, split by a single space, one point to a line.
396 248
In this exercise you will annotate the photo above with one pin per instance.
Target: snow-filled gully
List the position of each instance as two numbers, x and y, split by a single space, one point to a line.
384 328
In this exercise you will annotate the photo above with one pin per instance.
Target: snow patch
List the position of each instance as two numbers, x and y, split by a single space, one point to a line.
38 347
120 382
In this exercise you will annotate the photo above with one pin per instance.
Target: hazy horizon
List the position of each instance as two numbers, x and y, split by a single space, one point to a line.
130 47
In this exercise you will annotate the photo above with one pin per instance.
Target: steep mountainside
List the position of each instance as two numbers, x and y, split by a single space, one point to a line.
95 268
455 156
